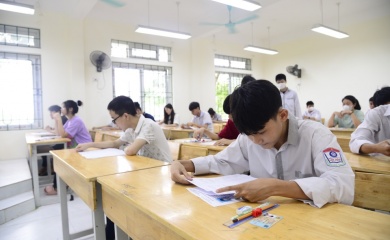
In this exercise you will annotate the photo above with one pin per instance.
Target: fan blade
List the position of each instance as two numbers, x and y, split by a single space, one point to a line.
231 27
246 19
115 3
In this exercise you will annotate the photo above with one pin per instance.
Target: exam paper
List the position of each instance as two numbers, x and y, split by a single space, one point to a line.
213 200
108 152
42 134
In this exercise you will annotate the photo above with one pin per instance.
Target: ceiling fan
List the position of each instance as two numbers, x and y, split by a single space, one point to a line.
231 25
114 3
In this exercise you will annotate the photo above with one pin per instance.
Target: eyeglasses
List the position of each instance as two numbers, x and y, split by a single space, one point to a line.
114 120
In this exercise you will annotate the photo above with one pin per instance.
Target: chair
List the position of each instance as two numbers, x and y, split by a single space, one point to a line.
174 147
187 152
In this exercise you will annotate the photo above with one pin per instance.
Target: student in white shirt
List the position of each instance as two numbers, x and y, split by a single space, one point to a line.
373 134
311 113
290 100
290 158
201 119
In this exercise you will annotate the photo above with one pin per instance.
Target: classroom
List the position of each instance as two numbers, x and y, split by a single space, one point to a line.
69 31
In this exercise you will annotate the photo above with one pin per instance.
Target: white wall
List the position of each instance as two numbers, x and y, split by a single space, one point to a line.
331 68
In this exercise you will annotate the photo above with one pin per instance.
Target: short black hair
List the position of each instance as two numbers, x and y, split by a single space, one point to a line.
226 104
68 104
309 103
121 105
193 105
382 96
211 111
137 106
353 100
280 76
246 79
252 105
55 108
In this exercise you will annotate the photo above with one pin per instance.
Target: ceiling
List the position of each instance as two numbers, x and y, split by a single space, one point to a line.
285 19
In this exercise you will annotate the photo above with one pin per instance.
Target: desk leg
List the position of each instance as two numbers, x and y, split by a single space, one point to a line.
61 188
98 216
120 234
34 173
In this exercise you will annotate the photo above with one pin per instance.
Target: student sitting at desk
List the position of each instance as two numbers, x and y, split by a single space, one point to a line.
74 129
140 112
215 117
373 135
227 135
291 158
171 118
201 119
350 117
311 113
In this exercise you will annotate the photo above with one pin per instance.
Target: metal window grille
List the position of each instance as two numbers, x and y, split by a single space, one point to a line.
20 36
125 49
232 62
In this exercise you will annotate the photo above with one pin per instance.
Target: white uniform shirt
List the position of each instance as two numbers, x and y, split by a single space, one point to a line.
204 118
304 158
374 129
290 102
315 113
156 146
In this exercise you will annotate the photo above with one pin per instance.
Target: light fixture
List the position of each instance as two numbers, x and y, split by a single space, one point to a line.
162 32
16 7
253 48
243 4
320 28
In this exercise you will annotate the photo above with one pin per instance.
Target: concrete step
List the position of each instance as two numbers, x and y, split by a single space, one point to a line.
15 206
15 177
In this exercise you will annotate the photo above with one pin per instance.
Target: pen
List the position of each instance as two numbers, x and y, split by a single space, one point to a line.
255 213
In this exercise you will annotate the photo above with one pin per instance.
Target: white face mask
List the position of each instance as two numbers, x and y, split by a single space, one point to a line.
346 108
311 109
281 86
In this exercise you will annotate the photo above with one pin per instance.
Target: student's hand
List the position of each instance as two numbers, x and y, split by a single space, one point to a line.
338 114
223 142
179 174
253 191
344 112
306 117
198 133
384 147
190 124
82 146
48 128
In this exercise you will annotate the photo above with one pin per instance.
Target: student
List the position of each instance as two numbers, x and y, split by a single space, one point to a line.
289 157
108 127
311 113
373 135
146 137
74 129
215 117
289 97
201 119
350 117
371 102
41 149
171 118
246 79
227 135
139 111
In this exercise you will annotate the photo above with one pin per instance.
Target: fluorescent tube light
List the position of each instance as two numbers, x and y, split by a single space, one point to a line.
17 7
329 31
243 4
261 50
161 32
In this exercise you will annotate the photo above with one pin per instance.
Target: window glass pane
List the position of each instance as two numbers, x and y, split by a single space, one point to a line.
221 62
140 50
237 64
19 36
143 53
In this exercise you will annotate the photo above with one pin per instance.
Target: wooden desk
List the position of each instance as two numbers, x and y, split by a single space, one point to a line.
80 175
372 181
344 143
176 132
218 127
344 132
147 204
188 150
110 135
33 141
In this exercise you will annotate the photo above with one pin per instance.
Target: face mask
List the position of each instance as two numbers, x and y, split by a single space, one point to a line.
311 109
281 86
346 108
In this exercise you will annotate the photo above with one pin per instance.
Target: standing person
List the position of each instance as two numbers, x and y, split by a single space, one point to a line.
201 119
74 129
311 113
53 110
227 135
289 97
350 117
139 111
171 118
215 117
289 157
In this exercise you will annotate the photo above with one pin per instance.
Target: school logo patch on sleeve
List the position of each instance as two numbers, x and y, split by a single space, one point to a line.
333 157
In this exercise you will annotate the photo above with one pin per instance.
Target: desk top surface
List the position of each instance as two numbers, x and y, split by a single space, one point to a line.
90 169
39 138
335 129
365 163
153 192
177 129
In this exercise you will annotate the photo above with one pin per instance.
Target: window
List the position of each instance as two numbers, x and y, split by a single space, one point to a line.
20 36
149 85
232 62
123 49
20 91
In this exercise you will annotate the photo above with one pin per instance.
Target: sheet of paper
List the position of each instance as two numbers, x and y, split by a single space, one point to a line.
213 200
46 138
108 152
212 184
42 134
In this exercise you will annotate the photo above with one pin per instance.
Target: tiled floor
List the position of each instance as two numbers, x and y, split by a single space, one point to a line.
44 223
